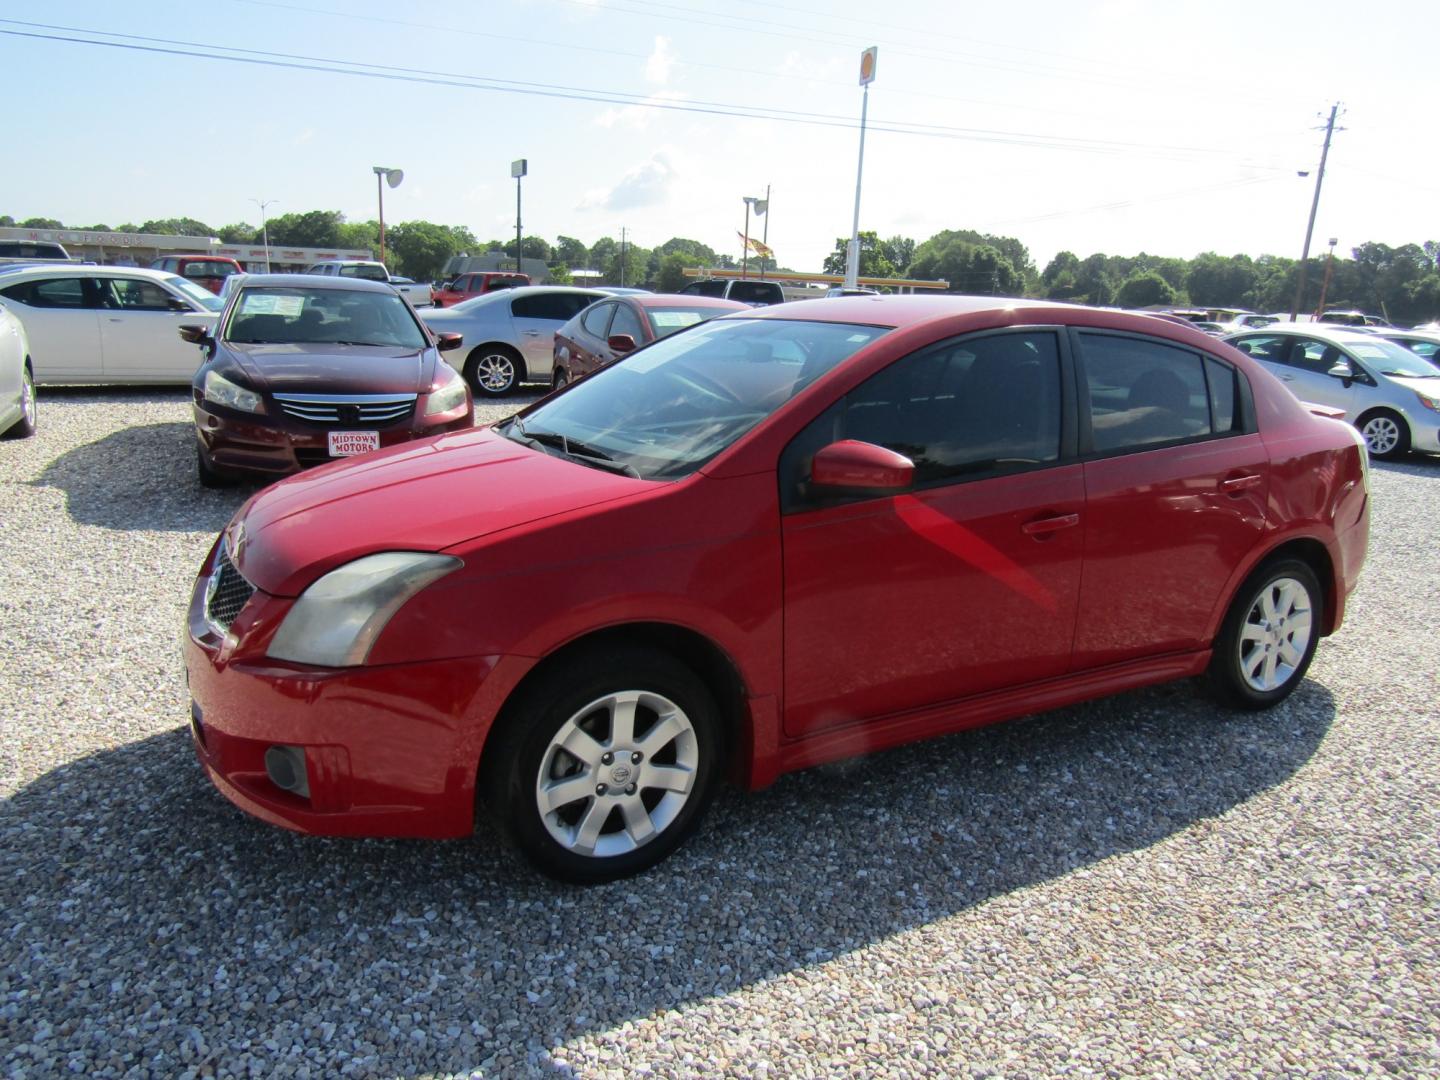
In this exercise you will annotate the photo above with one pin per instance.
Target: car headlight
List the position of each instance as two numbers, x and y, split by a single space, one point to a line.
450 395
222 391
339 617
1429 402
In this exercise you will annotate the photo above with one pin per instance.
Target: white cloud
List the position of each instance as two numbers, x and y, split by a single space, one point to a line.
303 137
661 60
637 116
648 184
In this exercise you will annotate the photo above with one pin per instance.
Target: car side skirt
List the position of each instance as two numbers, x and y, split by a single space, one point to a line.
872 735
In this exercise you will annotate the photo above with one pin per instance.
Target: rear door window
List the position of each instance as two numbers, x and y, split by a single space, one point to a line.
597 320
1142 393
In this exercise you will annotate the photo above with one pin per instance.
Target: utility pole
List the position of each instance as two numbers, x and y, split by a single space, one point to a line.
1329 272
1314 206
765 232
518 169
852 253
265 228
622 256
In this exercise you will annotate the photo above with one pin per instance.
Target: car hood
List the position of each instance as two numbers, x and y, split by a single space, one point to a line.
334 369
426 495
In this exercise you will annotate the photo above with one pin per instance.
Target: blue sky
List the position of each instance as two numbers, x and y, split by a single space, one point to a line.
1115 126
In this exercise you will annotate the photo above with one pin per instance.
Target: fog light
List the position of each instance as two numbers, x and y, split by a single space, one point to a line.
285 765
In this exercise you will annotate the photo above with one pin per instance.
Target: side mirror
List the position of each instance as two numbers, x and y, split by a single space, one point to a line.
621 343
850 465
196 335
1342 370
447 341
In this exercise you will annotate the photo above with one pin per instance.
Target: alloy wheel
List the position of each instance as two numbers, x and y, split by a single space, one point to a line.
1276 632
1382 434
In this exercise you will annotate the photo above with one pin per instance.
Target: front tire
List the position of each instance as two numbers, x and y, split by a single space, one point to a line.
603 770
25 426
1387 436
1269 636
493 370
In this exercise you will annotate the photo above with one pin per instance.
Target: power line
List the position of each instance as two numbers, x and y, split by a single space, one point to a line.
270 58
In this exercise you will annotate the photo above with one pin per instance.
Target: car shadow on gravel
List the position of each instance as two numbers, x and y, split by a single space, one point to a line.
141 478
144 913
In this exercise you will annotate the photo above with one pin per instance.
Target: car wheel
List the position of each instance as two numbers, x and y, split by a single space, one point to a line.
25 426
209 476
605 769
493 370
1269 636
1386 434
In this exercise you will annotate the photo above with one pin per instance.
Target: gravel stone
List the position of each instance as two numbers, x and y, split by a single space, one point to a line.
1144 886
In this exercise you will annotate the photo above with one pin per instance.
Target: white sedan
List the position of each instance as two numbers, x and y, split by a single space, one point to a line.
17 386
107 324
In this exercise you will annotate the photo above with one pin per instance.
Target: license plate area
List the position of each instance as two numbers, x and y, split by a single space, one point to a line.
350 443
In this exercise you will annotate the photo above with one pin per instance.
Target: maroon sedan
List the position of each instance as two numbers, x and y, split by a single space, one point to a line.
777 539
303 370
604 332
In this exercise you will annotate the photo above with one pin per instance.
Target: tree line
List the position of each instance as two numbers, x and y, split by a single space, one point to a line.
1402 283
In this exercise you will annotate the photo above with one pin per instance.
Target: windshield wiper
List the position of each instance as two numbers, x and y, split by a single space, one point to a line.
574 448
373 344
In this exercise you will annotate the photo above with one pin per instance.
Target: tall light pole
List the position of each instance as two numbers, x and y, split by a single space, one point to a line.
517 170
1329 270
852 254
393 178
265 228
1314 205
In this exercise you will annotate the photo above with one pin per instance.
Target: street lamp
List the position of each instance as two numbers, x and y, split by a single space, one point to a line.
518 168
1329 270
265 228
393 178
852 253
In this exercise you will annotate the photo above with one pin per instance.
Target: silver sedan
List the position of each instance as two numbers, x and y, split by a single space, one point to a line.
1389 393
17 379
510 335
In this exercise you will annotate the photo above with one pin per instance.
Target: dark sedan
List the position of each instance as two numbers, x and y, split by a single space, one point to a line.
304 370
604 332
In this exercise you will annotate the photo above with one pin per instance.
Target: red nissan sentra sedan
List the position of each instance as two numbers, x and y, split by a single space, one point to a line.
303 369
777 539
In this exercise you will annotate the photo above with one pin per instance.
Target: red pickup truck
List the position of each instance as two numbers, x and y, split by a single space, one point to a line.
209 271
477 283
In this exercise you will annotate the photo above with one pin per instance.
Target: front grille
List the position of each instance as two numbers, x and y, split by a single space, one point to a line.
347 410
225 593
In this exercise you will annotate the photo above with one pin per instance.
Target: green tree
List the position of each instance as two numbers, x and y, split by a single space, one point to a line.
532 247
182 226
40 223
314 228
6 221
1144 288
602 252
420 248
634 262
560 274
900 251
1060 279
571 252
670 273
1095 281
873 262
240 233
1215 281
361 235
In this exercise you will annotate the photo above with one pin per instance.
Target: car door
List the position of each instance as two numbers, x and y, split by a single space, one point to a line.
1176 479
536 317
62 320
626 321
965 584
139 332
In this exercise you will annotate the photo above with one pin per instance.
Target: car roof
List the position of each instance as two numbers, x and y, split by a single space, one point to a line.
71 269
1335 332
314 281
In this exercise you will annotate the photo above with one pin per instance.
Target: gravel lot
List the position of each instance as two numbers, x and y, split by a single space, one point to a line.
1139 887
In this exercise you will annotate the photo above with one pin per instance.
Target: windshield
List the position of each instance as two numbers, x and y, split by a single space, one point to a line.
666 320
367 271
1391 359
297 315
201 295
668 409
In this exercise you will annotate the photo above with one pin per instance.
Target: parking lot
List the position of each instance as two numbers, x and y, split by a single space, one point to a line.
1142 886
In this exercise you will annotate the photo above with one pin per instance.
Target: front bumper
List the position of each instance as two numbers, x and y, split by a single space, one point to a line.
279 445
389 751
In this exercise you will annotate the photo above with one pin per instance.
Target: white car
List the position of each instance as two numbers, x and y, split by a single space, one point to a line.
108 324
17 384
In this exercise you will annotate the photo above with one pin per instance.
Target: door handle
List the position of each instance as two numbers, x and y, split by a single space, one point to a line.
1236 484
531 333
1046 526
1285 378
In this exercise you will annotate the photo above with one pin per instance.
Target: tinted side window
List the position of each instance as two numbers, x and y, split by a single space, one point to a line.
1224 416
136 295
962 410
50 293
627 322
1142 392
705 288
1269 347
756 292
557 306
597 318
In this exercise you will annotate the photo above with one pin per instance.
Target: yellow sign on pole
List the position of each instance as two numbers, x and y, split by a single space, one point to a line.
867 65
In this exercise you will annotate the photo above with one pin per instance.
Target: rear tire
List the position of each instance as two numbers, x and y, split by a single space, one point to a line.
1269 636
605 768
29 411
493 370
